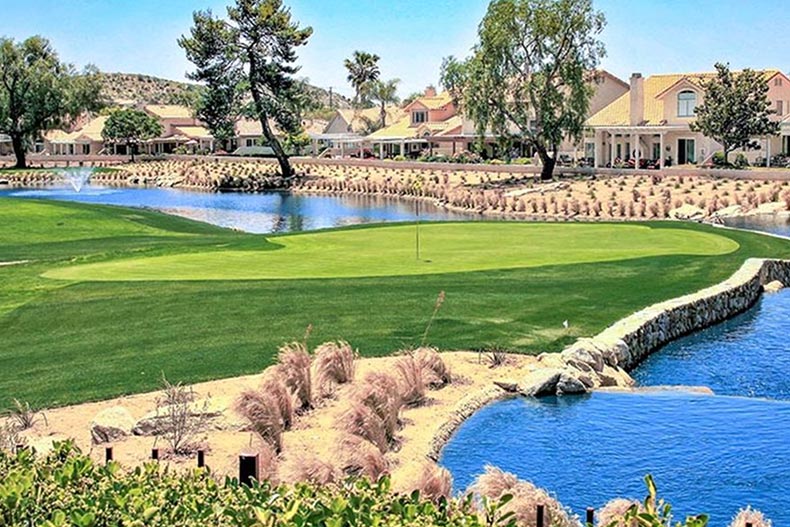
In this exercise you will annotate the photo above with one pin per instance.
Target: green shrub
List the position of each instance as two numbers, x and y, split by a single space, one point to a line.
399 158
522 161
68 489
718 159
741 161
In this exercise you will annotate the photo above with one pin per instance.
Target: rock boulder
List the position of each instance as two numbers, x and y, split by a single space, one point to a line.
111 424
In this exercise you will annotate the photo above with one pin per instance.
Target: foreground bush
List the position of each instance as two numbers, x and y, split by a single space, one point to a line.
68 488
522 498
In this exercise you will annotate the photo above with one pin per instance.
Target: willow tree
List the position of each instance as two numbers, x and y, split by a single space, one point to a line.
38 92
247 63
735 110
530 76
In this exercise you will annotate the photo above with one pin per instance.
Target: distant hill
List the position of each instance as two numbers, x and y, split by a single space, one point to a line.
132 89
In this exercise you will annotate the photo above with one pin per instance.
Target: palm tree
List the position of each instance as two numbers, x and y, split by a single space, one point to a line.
385 92
363 69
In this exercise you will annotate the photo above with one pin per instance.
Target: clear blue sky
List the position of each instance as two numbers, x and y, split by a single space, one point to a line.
411 36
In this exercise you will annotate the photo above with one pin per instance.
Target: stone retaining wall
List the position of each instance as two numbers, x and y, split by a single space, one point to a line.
627 342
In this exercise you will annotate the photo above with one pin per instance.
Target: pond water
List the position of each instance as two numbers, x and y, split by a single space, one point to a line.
707 454
748 355
711 454
259 213
766 222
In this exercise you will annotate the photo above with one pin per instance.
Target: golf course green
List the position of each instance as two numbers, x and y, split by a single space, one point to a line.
101 301
391 251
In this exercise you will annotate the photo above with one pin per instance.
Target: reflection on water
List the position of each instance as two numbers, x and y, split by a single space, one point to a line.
773 223
259 213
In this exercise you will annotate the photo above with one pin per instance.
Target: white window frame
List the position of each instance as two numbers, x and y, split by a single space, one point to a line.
423 113
684 110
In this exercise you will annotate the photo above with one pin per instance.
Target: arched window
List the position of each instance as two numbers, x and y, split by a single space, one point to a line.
687 101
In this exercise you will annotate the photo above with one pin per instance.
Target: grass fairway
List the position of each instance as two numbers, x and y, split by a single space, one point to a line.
113 297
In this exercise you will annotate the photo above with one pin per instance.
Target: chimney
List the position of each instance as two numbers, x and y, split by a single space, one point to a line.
637 95
430 91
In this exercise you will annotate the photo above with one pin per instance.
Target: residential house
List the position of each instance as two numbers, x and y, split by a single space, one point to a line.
180 129
650 124
6 148
346 132
434 124
249 135
425 118
86 140
607 88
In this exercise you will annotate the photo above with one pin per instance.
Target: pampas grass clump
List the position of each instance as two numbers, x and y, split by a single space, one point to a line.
435 482
373 411
308 468
411 381
294 369
363 459
333 365
752 516
379 392
494 483
613 513
274 387
435 371
361 421
263 413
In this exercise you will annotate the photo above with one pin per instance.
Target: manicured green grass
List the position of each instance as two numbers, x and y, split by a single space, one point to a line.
66 341
390 251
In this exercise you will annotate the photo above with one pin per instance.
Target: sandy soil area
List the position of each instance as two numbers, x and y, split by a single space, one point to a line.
314 434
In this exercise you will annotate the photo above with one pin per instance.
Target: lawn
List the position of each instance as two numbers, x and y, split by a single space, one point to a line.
111 297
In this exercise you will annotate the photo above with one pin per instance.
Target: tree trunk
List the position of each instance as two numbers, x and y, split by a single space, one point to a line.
18 143
547 172
726 154
279 153
383 115
130 146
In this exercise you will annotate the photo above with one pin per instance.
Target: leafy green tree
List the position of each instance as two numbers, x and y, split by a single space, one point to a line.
250 56
38 92
385 92
363 71
130 127
295 143
530 75
735 110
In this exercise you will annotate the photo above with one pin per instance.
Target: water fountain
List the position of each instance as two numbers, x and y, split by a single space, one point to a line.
77 178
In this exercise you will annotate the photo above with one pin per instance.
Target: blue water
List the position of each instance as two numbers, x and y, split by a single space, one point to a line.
259 213
707 454
711 454
747 355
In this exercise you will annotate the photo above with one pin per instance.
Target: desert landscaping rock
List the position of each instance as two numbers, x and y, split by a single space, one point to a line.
111 424
773 287
540 382
155 423
569 384
687 212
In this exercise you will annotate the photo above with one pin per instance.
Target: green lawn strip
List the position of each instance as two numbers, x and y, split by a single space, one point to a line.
390 251
68 342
